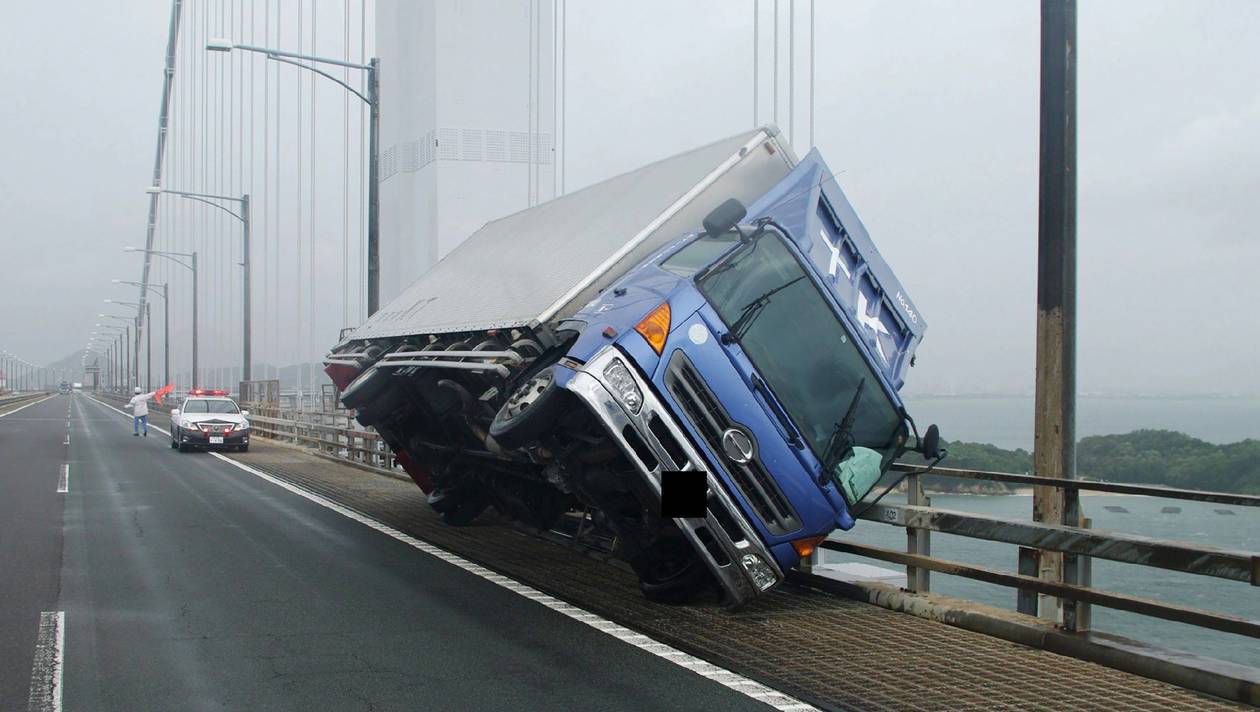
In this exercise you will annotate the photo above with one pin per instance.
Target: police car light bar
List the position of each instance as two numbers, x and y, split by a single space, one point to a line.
208 392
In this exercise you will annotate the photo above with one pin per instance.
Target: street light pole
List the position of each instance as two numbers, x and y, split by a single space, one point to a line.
195 372
190 265
132 367
164 290
141 311
243 216
166 332
246 355
374 193
148 346
124 360
372 99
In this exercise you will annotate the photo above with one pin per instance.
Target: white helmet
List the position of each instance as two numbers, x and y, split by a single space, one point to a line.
137 390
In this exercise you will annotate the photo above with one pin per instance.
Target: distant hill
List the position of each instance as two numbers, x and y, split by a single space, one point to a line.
1170 458
1159 457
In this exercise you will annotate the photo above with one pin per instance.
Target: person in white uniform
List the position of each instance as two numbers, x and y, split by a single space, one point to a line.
139 404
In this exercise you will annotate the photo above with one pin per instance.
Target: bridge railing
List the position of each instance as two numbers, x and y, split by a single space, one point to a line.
1079 545
10 398
329 432
333 431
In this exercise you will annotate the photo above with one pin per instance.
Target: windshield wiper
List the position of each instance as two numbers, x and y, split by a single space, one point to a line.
841 441
750 311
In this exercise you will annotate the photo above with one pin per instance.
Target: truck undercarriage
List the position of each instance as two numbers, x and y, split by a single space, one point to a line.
478 421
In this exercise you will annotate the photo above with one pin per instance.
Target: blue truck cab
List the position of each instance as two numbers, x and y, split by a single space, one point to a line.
768 354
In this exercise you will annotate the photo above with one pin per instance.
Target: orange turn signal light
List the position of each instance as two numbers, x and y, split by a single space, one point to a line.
655 328
805 547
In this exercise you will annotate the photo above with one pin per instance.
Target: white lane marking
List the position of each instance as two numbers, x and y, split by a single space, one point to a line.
63 482
28 405
46 672
720 675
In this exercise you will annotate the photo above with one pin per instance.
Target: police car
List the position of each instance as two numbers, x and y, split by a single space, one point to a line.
208 419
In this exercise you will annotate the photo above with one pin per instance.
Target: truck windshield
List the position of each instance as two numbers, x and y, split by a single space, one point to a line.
800 347
210 406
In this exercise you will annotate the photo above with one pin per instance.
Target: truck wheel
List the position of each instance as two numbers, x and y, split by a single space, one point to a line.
530 410
464 513
365 388
458 508
671 572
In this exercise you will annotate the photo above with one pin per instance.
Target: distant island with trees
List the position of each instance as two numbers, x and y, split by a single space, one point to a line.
1157 457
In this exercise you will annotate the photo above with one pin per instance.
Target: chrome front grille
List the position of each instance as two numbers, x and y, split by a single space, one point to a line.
710 419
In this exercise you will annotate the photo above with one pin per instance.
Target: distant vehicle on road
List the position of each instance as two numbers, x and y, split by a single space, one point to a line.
209 420
64 388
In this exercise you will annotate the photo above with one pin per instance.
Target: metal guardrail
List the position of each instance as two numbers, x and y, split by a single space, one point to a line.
12 398
919 518
333 432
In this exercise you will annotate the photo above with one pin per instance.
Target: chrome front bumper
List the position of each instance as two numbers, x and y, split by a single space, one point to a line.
710 538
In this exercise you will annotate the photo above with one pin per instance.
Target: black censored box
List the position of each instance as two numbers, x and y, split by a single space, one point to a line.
684 493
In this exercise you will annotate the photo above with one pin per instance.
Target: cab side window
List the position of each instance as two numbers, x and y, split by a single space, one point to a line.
698 254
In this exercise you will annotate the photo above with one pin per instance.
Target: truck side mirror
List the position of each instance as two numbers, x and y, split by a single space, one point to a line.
721 219
930 443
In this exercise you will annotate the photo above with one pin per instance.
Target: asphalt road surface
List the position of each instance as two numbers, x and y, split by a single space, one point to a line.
188 583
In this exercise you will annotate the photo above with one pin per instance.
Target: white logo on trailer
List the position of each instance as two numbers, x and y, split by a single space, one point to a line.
870 322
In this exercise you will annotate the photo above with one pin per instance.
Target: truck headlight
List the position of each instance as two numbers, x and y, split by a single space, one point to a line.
623 385
762 574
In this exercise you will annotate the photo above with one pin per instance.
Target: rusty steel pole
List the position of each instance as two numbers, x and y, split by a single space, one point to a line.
1054 448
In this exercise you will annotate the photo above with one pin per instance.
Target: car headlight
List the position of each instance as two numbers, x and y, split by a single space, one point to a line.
623 385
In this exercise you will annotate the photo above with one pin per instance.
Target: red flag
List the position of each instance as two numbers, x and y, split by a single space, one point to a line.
163 391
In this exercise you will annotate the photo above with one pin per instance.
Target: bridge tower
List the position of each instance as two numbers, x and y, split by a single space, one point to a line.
468 123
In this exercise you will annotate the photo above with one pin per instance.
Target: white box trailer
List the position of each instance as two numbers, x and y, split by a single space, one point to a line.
540 265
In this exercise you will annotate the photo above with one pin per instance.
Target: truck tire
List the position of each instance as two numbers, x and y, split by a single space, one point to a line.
365 388
464 513
459 507
530 410
671 572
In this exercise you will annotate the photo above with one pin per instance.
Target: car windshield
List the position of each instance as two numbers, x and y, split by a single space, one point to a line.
800 347
210 406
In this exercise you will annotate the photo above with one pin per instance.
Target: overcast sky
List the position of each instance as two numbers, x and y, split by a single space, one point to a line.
927 111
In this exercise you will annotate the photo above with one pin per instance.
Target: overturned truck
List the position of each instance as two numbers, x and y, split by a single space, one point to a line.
721 313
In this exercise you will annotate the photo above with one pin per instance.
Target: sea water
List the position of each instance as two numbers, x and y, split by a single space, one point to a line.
1007 421
1197 522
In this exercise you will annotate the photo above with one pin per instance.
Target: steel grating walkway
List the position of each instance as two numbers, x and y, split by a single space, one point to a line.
833 652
